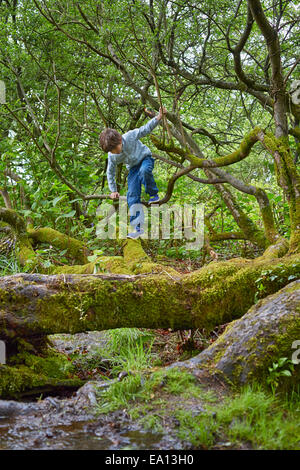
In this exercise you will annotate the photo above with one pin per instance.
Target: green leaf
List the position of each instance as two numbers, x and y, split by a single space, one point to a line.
75 200
26 212
68 215
286 373
282 361
58 198
92 258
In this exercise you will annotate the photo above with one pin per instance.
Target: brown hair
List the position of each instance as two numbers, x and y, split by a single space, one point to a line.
109 139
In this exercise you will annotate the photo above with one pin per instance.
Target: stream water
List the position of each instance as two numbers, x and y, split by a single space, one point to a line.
70 422
55 423
75 436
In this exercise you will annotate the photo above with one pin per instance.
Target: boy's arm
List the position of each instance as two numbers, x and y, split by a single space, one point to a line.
111 175
147 128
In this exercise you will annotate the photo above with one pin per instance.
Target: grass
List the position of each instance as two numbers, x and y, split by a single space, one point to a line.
9 265
119 394
262 418
198 430
143 387
129 349
152 422
252 417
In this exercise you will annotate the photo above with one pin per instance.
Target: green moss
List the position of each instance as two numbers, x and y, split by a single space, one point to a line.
295 241
154 268
295 132
234 157
267 216
75 248
12 218
20 380
25 253
133 252
54 364
214 295
113 264
76 269
29 371
134 261
288 178
170 147
274 344
277 250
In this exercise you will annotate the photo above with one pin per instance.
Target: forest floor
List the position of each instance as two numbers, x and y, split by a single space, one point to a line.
150 420
134 399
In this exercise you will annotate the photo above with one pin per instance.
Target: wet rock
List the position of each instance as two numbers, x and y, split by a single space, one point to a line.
89 342
87 393
10 408
122 375
197 411
53 402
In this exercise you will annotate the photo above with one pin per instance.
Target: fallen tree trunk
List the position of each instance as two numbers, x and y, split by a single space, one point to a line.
129 291
250 345
36 304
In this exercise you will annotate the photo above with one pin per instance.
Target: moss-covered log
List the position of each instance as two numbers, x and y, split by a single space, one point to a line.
36 304
25 238
250 345
75 248
134 261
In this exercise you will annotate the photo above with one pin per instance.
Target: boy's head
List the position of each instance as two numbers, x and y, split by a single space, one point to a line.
110 141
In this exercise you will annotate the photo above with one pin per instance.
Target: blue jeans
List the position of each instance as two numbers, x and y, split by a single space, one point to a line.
138 175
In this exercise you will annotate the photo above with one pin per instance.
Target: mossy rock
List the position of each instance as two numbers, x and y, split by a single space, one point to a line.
250 345
19 381
28 373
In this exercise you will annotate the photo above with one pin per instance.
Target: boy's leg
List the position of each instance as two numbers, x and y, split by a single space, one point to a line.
134 196
146 176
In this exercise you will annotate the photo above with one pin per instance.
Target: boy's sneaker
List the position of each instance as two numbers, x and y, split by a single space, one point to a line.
135 235
154 199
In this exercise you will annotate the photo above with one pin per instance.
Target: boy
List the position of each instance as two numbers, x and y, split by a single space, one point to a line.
129 149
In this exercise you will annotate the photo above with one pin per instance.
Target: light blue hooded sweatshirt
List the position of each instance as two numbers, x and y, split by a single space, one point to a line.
133 152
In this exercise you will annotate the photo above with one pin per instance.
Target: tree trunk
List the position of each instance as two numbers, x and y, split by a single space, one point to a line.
36 304
151 295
